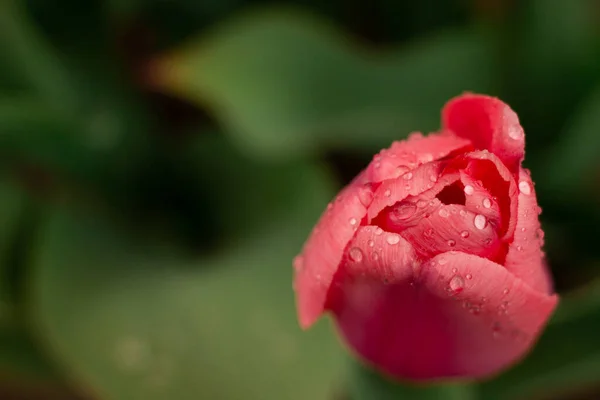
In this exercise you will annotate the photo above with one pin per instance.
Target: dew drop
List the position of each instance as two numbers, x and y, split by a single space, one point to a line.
464 234
433 178
329 206
479 221
299 263
523 229
519 248
462 213
353 221
451 243
387 193
496 330
442 261
377 165
428 233
375 256
371 243
421 203
365 196
443 213
428 157
356 254
469 276
469 190
403 211
454 270
393 239
378 231
401 170
525 188
505 291
514 132
456 284
487 203
408 176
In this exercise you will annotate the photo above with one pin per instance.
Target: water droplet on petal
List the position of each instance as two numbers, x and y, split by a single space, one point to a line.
479 221
356 254
469 276
371 243
505 291
408 176
353 221
451 243
519 248
377 165
365 196
454 270
442 261
403 211
469 190
329 206
464 234
523 229
421 203
456 284
525 188
514 132
299 263
433 178
378 231
401 170
428 233
393 239
387 193
496 330
375 256
462 213
487 203
443 213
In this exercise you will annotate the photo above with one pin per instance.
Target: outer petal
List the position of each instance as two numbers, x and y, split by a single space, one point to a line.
404 156
525 258
489 124
464 316
322 253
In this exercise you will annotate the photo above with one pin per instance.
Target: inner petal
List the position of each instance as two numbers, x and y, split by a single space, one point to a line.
435 226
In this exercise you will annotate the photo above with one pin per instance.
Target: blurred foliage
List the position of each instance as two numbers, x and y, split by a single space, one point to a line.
163 161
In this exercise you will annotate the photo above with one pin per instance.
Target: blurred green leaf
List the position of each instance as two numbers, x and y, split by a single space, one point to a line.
242 190
566 358
26 55
284 83
367 384
11 205
135 320
574 157
21 358
551 62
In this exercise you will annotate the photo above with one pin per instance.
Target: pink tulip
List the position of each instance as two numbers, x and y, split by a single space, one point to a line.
430 260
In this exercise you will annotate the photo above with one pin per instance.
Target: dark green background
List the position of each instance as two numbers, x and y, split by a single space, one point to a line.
163 161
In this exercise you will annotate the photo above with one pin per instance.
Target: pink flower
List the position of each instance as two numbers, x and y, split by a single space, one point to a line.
430 260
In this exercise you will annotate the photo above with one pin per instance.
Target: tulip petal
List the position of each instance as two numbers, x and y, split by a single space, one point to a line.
412 183
404 156
525 258
489 124
323 251
496 179
462 316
